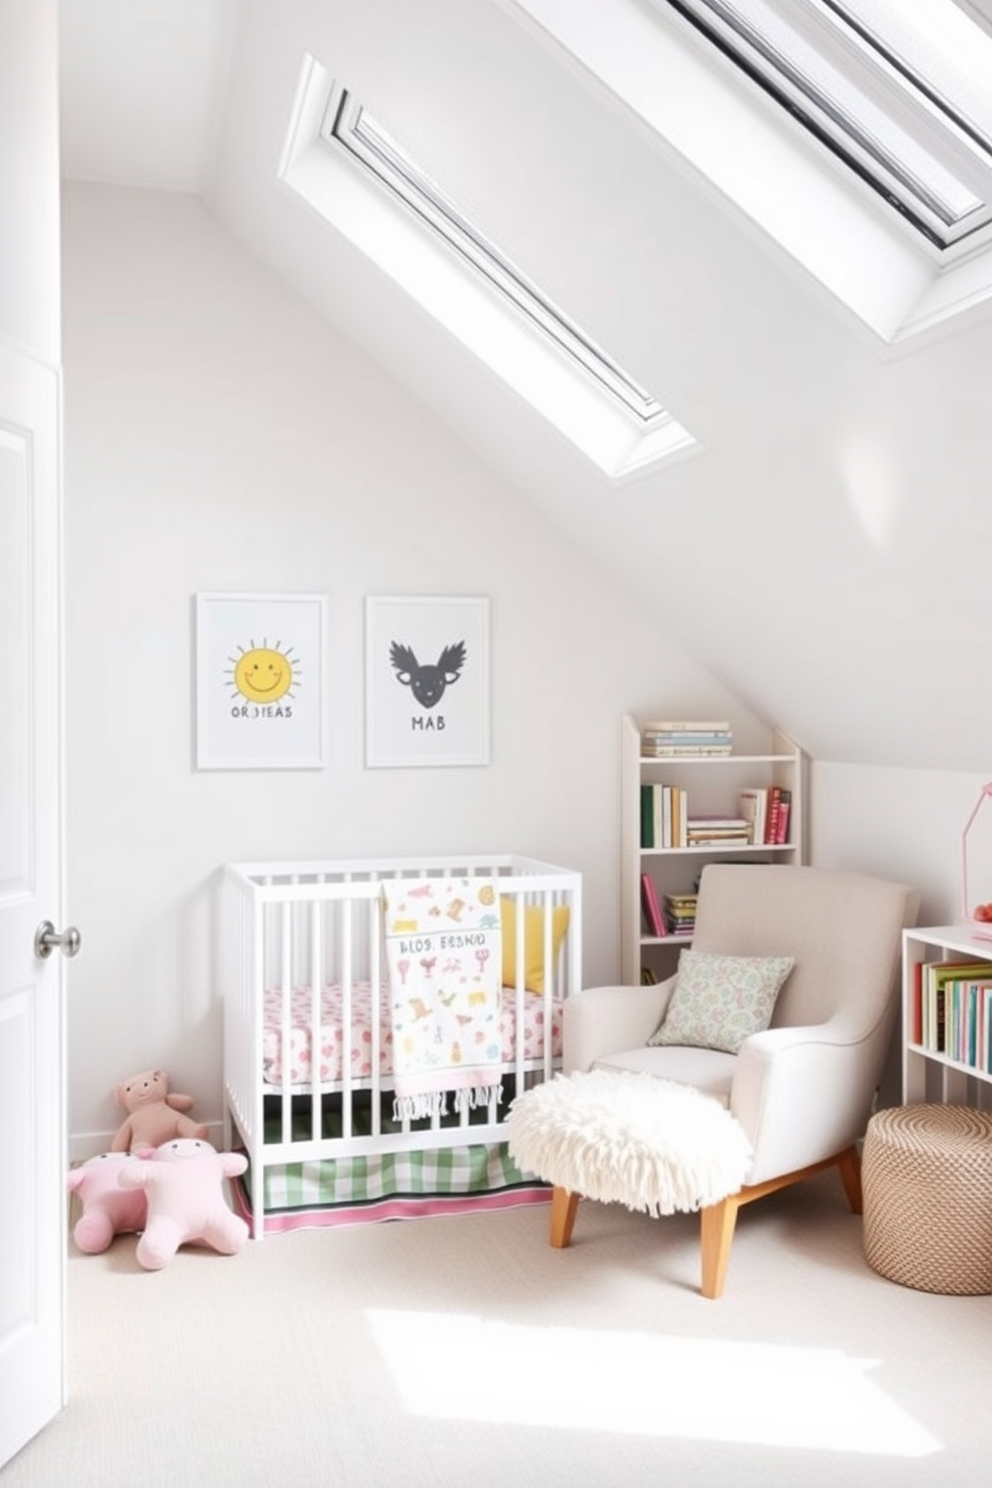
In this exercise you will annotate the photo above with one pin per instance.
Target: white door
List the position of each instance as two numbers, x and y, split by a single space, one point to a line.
32 1118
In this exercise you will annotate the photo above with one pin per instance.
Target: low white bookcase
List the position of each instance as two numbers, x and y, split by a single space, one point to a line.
947 1017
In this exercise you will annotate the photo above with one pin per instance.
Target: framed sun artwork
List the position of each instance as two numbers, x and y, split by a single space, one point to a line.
259 682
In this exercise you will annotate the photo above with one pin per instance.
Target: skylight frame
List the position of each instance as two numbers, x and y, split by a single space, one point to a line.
394 235
348 124
804 203
940 129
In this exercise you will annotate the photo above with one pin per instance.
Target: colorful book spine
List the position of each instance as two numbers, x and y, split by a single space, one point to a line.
647 816
784 811
651 905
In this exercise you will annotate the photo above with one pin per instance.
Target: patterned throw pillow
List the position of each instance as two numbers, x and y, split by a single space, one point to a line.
719 1001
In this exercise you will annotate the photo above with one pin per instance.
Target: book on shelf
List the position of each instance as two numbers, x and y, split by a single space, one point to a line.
915 1018
663 816
686 726
717 822
660 824
647 816
680 913
679 751
671 738
651 905
784 810
680 808
967 1002
767 808
752 802
940 1002
717 831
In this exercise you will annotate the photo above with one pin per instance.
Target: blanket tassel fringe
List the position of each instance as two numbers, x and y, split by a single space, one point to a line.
432 1105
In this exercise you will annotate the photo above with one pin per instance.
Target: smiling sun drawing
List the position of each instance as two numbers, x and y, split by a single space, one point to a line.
263 674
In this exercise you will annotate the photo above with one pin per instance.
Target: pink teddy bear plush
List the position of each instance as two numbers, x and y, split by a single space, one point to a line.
108 1209
183 1181
156 1114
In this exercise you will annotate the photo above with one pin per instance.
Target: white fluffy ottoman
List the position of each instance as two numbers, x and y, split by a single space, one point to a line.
627 1138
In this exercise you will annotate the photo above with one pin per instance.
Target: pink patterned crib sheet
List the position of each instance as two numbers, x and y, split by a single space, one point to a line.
333 1039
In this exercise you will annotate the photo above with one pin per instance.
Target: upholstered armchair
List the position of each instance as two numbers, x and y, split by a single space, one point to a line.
802 1089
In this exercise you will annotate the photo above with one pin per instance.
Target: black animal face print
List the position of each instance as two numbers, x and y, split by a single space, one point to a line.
428 682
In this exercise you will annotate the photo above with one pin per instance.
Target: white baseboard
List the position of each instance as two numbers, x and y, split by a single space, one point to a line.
83 1145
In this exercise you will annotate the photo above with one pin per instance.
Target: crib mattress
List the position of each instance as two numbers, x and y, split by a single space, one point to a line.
356 1049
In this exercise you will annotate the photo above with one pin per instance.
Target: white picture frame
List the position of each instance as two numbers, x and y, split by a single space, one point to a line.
427 681
259 682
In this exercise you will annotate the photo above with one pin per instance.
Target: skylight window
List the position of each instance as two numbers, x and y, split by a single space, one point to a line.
900 94
439 256
368 141
890 208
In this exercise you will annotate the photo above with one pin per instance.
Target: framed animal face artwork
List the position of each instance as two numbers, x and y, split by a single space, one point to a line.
427 681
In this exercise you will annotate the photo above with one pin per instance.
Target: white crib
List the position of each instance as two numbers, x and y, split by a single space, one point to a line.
307 1035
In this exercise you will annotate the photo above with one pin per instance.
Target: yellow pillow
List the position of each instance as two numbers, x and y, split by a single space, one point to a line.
533 941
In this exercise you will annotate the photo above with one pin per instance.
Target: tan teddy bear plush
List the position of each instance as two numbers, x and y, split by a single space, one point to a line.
154 1114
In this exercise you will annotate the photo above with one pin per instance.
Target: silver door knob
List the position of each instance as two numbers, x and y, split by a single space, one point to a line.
47 940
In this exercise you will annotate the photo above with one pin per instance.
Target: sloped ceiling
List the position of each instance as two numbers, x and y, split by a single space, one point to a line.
824 552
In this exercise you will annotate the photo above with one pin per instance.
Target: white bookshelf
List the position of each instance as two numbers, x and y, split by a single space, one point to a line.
930 1074
712 783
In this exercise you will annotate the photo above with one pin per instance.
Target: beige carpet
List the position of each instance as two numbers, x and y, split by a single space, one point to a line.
463 1352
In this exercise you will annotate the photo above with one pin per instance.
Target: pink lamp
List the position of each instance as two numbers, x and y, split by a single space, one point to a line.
981 929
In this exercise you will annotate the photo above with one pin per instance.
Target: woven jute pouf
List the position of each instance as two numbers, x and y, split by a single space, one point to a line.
927 1177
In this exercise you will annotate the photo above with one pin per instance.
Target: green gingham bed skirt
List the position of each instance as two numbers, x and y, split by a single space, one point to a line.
391 1185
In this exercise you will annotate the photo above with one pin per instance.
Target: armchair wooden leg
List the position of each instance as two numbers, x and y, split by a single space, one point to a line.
849 1164
563 1209
716 1233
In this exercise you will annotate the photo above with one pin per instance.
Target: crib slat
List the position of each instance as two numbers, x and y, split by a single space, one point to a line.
285 1011
345 945
316 1040
374 930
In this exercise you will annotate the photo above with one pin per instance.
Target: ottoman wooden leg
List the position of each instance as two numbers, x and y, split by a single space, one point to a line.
563 1210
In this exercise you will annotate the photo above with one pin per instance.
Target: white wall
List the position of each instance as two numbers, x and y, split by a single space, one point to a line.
905 824
29 282
218 437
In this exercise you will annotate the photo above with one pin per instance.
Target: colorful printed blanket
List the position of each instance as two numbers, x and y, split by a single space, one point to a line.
443 950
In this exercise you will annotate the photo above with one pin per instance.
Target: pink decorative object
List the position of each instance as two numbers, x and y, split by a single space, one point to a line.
108 1209
184 1184
156 1114
978 916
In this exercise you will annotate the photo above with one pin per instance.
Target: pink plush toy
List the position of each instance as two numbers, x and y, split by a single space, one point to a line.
108 1209
184 1184
154 1115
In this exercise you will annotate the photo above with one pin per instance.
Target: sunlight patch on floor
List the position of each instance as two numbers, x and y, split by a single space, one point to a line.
471 1369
